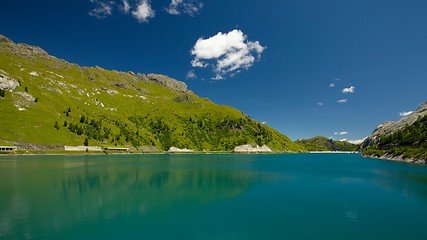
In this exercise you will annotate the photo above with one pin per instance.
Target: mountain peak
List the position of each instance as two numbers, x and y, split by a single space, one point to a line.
168 82
4 39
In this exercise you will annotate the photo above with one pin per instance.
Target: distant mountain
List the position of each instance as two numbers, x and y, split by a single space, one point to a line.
404 140
46 103
321 143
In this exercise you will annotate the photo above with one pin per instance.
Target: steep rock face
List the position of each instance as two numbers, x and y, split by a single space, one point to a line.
389 127
168 82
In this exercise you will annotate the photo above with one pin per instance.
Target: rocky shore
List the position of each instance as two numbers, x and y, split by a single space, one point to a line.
390 157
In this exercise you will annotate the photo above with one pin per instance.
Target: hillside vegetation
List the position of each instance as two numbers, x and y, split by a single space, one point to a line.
321 143
50 102
409 142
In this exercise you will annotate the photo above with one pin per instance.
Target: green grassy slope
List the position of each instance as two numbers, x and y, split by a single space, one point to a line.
321 143
58 103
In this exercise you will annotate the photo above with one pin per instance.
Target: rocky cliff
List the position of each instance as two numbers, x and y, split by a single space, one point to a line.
403 140
386 128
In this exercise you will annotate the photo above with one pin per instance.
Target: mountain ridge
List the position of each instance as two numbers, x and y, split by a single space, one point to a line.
46 102
321 143
403 140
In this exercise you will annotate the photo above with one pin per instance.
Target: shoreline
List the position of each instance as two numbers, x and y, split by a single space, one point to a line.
335 152
389 157
74 153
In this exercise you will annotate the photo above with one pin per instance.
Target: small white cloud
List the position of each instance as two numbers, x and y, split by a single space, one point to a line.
343 140
349 90
227 53
264 122
198 63
332 85
405 114
143 11
357 141
320 104
341 133
190 7
217 77
342 101
102 9
126 6
191 75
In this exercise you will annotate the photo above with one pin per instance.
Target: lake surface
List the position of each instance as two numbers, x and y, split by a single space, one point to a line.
301 196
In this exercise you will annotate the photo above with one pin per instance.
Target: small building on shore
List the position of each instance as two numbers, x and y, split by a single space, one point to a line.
8 148
82 148
118 149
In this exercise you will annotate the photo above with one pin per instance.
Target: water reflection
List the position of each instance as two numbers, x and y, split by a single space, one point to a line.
211 197
42 196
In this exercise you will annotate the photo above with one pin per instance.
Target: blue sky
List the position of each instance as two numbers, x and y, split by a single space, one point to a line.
335 68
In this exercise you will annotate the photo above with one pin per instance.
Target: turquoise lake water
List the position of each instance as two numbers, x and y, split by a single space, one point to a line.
294 196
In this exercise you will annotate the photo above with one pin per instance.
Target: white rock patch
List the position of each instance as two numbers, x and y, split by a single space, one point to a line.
7 83
35 74
26 96
249 149
56 74
179 150
99 103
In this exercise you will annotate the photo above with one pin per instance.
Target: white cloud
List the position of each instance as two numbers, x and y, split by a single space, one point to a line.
190 7
342 101
332 85
405 114
126 6
102 9
191 75
341 133
230 52
348 90
320 104
356 141
143 11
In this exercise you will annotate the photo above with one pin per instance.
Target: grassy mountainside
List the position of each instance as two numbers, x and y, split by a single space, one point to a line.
409 142
321 143
50 102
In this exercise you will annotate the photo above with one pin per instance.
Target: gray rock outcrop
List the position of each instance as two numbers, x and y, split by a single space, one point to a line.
4 39
389 127
7 83
168 82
